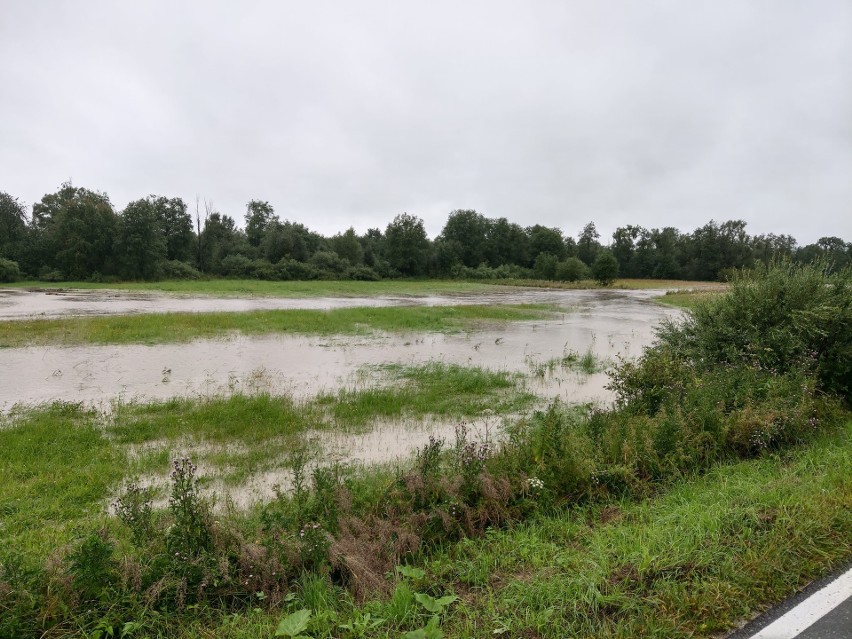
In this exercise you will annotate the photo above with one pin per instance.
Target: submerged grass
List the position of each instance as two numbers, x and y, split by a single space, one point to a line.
60 463
183 327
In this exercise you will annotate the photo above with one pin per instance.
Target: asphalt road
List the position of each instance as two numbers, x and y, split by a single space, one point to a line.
823 610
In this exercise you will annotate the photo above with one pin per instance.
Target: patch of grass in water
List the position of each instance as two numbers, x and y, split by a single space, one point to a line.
435 389
184 327
587 363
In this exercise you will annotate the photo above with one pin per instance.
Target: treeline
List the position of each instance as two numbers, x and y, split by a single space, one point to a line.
76 234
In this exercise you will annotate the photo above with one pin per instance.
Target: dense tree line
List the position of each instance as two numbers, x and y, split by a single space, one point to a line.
76 233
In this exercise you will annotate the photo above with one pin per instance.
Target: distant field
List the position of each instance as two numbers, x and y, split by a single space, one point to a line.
348 288
182 327
315 288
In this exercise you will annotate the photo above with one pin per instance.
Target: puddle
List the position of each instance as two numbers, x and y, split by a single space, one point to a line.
387 443
609 324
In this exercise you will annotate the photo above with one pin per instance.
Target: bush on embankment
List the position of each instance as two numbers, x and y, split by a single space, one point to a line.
756 370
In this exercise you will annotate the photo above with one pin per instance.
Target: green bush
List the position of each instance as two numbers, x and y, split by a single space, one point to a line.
779 318
605 267
572 270
9 271
177 270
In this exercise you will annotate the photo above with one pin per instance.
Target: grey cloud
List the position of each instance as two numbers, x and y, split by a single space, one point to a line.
656 113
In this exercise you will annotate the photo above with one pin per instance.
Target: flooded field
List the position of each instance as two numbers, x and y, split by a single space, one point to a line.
609 324
19 304
546 355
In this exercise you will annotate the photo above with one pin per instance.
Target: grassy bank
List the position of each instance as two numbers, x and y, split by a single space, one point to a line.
183 327
696 561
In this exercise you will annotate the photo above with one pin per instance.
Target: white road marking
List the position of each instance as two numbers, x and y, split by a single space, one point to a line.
810 610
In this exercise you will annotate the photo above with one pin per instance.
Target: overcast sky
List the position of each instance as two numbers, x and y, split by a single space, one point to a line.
347 113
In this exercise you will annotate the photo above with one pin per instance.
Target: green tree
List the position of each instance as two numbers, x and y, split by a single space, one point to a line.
407 247
506 243
543 239
13 226
219 239
545 266
259 217
470 230
624 248
348 247
75 231
605 267
175 225
140 245
587 244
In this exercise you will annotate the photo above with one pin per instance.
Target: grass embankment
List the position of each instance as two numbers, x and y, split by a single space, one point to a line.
706 554
696 561
183 327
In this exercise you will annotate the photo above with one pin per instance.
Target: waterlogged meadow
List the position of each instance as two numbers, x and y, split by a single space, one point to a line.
708 479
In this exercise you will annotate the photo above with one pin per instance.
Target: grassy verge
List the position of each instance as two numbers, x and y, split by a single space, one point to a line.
183 327
694 562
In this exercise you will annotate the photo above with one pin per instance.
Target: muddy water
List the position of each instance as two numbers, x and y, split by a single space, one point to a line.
608 323
386 443
53 303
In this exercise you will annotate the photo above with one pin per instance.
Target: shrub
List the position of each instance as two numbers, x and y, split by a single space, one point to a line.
571 270
9 271
605 267
363 273
545 266
776 318
177 270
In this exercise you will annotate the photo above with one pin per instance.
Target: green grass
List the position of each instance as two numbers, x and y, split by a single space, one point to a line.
183 327
688 299
58 467
61 463
704 555
314 288
587 363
